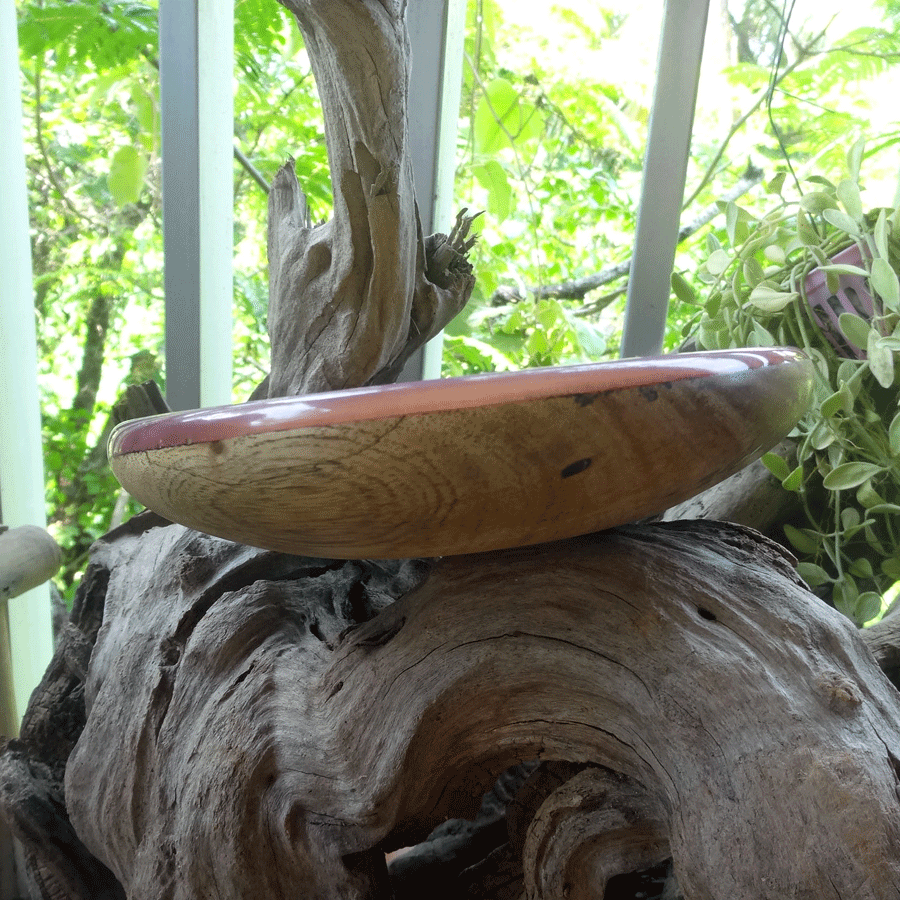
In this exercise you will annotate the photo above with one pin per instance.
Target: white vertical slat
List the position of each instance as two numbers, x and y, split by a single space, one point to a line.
21 451
665 170
436 32
196 73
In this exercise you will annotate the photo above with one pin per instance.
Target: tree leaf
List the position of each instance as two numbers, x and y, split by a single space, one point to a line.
590 337
771 300
503 118
683 290
822 435
880 233
817 201
808 235
127 169
844 269
794 481
764 337
894 435
753 272
847 591
848 194
841 221
868 607
492 176
776 183
832 405
732 213
776 465
884 508
881 359
885 284
775 253
850 518
718 262
854 158
812 574
867 496
849 475
802 539
855 329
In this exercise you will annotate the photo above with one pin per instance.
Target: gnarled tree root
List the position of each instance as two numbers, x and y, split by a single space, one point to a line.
240 743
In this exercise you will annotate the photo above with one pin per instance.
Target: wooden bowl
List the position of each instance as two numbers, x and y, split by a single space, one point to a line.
463 465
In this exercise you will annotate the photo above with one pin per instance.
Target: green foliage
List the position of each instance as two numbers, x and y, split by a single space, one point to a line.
846 472
102 36
542 155
552 151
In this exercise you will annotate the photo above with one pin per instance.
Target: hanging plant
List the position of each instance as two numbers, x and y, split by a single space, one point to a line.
821 273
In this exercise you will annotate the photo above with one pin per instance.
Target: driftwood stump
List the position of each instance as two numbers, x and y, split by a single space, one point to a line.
257 724
221 721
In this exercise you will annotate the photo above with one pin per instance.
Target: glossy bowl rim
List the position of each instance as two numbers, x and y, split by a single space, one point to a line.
220 423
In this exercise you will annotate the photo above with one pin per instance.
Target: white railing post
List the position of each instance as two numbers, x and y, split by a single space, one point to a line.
21 450
665 171
436 33
196 60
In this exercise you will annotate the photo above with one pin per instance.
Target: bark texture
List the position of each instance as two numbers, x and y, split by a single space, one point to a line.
256 722
351 299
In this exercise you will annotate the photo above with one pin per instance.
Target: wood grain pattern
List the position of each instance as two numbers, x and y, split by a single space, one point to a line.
251 736
467 479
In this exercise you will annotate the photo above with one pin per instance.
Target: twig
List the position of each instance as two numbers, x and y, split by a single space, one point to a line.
248 167
576 289
739 123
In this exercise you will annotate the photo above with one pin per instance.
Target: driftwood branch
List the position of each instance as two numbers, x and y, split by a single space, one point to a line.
28 557
350 300
270 721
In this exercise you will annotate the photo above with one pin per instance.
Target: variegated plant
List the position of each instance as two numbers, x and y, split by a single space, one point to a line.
846 470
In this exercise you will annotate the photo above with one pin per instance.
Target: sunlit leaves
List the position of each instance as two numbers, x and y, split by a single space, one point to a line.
102 35
505 118
126 174
492 177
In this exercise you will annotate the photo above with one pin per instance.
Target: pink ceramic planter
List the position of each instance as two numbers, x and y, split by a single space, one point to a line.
852 297
464 465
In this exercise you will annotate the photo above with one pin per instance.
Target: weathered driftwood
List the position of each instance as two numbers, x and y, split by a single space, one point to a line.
883 639
240 741
351 299
28 557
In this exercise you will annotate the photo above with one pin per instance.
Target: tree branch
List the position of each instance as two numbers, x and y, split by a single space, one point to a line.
578 288
351 300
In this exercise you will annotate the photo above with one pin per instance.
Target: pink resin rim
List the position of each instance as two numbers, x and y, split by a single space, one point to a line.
222 423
